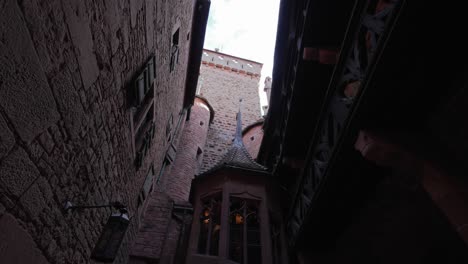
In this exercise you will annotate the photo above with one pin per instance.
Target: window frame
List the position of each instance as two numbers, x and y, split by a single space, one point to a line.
142 110
245 232
203 217
174 52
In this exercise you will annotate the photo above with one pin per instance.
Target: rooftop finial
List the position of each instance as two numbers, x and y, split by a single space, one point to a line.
238 136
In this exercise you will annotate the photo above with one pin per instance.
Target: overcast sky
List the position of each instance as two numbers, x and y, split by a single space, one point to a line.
246 29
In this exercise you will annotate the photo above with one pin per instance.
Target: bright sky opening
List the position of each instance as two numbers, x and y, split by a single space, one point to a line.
246 29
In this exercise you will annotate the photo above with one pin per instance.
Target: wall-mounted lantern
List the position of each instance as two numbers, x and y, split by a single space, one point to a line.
113 233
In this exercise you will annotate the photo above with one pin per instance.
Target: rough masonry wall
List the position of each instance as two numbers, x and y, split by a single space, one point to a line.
64 121
223 89
154 228
159 234
252 138
187 161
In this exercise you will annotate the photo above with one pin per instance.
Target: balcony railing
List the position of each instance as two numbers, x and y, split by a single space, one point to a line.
369 28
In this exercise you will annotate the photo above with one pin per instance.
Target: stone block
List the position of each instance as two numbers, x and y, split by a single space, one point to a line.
45 22
47 142
69 102
78 19
36 150
36 198
74 42
113 17
17 172
7 140
5 201
24 92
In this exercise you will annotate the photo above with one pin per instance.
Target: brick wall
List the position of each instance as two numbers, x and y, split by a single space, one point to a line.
223 88
158 236
188 160
64 121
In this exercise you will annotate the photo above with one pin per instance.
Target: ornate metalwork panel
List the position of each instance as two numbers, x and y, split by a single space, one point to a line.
362 46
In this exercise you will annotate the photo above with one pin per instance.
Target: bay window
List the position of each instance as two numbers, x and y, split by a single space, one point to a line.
244 231
210 225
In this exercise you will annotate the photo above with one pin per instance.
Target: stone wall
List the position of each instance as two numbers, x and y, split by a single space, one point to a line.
252 138
223 88
159 234
65 133
189 154
153 232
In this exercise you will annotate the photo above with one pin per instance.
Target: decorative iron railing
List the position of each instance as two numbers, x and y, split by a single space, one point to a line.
370 26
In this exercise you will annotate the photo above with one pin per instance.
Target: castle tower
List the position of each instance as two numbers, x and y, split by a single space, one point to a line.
224 79
188 160
252 137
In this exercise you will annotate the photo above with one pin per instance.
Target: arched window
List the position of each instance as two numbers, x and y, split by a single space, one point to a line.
244 231
210 225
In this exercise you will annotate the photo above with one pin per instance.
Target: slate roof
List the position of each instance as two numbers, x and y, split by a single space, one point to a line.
237 156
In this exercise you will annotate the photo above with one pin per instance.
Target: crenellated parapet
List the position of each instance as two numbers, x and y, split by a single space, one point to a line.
231 63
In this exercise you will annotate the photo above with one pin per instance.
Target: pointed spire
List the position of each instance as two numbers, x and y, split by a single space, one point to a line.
238 135
237 155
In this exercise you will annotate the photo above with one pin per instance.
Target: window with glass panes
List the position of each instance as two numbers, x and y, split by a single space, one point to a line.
244 231
210 225
142 115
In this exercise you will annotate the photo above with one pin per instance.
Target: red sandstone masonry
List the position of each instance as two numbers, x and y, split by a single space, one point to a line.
153 233
158 237
223 89
188 161
252 139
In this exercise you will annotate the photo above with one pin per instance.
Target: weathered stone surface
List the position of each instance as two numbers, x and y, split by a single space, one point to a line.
36 198
113 17
16 245
24 93
17 172
5 202
135 7
89 51
7 140
46 141
150 7
53 43
69 103
78 23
